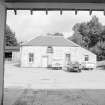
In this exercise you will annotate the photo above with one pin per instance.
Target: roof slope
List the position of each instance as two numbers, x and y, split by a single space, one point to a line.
50 41
12 48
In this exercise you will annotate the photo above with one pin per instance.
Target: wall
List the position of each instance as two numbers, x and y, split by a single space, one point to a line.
16 56
38 52
58 55
77 54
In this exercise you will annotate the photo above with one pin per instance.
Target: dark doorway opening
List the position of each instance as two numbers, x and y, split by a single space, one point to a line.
8 56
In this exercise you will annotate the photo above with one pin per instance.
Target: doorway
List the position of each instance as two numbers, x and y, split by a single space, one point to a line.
8 56
68 59
44 61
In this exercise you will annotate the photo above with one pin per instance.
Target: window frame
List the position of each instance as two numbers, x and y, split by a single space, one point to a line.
50 49
31 57
86 58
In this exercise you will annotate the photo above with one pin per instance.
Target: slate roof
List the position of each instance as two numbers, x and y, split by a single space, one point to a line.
50 41
12 48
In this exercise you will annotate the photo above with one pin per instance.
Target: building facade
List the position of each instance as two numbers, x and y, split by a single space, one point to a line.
12 54
48 51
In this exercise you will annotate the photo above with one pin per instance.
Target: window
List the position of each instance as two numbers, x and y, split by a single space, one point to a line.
31 57
86 58
49 49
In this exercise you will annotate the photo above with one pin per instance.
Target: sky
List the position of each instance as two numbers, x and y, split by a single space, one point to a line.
27 26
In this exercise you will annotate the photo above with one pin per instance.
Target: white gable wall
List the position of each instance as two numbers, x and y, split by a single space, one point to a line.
78 54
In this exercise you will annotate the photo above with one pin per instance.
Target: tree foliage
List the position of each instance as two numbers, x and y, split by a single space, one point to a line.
10 39
99 50
91 35
55 34
90 32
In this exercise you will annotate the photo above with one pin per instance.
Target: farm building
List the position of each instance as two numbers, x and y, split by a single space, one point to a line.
46 51
12 54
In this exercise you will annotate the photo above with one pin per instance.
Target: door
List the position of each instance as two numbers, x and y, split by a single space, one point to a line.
44 61
68 59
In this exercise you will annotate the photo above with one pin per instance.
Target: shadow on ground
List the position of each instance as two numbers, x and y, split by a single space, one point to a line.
101 67
54 97
17 65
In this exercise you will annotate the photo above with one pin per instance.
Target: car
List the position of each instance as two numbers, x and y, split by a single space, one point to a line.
57 66
88 66
74 67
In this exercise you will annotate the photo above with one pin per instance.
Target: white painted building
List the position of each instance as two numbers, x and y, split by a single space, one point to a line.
45 51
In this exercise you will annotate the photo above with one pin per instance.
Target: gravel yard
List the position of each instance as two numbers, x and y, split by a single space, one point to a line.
40 86
54 97
42 78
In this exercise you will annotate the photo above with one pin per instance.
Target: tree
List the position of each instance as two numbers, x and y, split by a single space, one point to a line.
91 35
102 36
99 50
80 35
10 39
58 34
90 32
77 38
55 34
95 30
